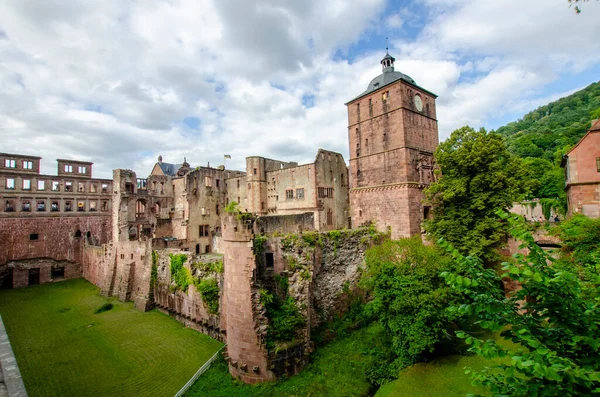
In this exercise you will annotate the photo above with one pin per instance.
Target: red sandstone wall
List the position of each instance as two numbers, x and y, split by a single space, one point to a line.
584 199
247 354
398 207
56 237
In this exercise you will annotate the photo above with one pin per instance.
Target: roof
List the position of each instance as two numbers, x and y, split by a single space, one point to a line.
386 78
75 161
169 169
19 155
595 128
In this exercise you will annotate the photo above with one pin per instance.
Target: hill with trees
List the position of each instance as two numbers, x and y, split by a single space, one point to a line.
544 135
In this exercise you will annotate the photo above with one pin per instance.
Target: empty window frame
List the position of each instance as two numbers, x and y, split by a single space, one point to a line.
26 184
300 194
55 186
325 192
41 206
207 181
104 205
26 205
27 165
68 206
81 206
10 183
203 230
104 187
81 187
68 168
93 206
10 163
289 194
82 169
140 208
68 186
41 185
93 188
54 207
9 206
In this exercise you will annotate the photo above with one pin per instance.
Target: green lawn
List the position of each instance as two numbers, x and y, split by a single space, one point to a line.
445 376
336 370
64 349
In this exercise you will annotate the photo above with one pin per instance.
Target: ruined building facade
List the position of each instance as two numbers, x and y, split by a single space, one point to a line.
393 133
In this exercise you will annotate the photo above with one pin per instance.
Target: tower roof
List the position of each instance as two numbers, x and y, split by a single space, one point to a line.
388 76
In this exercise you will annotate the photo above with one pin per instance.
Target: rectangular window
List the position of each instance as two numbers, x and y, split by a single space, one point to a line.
105 187
10 163
41 185
325 192
41 206
255 171
68 186
289 194
104 205
217 182
27 165
207 181
55 186
81 169
10 183
300 194
26 184
68 168
81 187
217 209
93 188
92 206
26 206
54 207
81 206
34 237
68 206
204 230
598 164
9 206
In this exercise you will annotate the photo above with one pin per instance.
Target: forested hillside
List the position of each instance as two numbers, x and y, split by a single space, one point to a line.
548 130
543 136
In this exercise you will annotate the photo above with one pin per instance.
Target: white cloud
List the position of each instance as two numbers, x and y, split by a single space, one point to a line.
112 81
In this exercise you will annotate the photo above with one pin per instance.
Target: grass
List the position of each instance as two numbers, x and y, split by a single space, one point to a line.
64 349
336 370
445 376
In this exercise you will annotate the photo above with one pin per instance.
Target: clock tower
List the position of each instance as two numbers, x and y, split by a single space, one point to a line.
393 132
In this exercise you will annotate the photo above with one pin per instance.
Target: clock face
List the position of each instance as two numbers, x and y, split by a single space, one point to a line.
418 103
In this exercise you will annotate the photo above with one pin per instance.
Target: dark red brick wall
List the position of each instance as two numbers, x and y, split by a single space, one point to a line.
56 237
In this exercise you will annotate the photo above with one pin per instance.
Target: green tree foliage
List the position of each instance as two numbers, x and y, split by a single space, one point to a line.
409 300
551 320
180 276
283 314
576 4
551 127
547 182
209 290
478 176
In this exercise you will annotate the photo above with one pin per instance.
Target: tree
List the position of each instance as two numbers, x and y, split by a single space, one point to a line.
409 299
478 176
552 321
576 3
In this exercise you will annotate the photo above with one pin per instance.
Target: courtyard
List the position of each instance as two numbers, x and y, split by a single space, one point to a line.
64 348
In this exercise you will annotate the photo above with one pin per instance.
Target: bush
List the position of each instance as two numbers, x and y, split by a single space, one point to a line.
104 308
410 300
180 276
209 289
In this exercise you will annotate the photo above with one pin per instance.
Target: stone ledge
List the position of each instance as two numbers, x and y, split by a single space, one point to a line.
10 368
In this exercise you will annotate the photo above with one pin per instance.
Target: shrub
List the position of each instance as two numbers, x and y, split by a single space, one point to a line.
104 308
209 290
180 276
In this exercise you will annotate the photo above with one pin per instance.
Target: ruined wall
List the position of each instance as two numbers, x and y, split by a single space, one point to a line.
246 350
285 224
57 238
187 306
96 262
43 268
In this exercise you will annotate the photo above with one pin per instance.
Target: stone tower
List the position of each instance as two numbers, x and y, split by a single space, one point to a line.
393 132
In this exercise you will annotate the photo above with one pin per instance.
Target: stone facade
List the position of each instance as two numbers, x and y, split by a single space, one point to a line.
272 187
393 133
582 174
49 217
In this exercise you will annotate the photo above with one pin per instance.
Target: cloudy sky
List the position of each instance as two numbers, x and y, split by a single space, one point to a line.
119 82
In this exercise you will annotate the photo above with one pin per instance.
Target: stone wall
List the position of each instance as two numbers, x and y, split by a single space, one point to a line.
45 237
44 267
285 224
186 306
